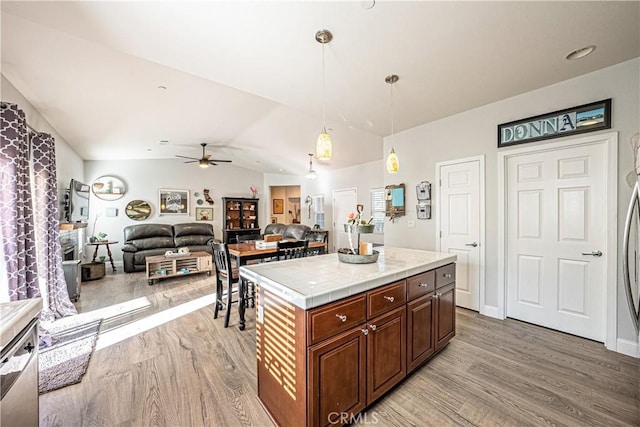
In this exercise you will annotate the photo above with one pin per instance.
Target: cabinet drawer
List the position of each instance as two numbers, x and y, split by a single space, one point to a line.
445 275
329 320
421 284
387 298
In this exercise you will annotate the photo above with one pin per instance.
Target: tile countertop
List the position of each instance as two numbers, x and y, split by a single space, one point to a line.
314 281
15 316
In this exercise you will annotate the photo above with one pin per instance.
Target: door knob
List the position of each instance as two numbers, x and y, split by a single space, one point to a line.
474 244
593 253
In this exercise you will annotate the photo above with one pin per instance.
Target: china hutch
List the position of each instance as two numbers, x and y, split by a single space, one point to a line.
240 218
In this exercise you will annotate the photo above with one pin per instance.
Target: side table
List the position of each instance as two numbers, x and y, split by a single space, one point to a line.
106 243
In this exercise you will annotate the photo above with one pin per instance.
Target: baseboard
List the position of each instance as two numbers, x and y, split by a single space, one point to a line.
630 348
491 311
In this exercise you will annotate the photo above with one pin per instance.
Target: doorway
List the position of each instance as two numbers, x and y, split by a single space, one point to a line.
558 236
285 204
460 219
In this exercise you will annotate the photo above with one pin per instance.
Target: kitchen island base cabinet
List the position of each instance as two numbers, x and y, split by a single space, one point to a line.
337 367
324 365
420 320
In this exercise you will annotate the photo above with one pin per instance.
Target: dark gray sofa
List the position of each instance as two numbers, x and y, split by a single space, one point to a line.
143 240
288 231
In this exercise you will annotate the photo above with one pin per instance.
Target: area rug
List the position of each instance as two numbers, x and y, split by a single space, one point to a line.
65 361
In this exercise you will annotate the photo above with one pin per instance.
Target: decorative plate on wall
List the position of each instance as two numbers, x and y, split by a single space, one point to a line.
138 210
108 188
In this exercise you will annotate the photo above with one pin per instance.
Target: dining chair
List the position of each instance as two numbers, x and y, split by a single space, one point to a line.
244 238
313 236
292 249
226 277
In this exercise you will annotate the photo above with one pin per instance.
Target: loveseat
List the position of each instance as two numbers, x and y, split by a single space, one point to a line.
143 240
288 231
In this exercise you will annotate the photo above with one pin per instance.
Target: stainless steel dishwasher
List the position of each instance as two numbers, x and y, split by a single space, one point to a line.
19 379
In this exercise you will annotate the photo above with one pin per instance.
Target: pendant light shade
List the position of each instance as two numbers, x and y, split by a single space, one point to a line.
311 174
393 164
324 146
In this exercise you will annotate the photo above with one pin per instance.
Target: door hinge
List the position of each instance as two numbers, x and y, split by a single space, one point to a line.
440 233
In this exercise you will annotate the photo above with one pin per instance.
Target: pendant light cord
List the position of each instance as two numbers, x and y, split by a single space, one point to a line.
324 95
391 104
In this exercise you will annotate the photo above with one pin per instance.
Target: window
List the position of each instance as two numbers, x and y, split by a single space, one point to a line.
377 209
318 210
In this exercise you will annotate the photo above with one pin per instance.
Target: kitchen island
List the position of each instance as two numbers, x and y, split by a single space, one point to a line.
331 337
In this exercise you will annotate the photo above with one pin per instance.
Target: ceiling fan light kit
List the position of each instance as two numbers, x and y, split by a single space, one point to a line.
205 161
323 144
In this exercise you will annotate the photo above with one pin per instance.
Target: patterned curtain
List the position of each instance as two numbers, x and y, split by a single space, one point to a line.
16 216
47 228
29 216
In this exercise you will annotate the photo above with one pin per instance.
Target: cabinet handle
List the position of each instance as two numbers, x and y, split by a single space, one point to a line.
448 276
390 299
365 331
436 296
423 285
341 317
373 327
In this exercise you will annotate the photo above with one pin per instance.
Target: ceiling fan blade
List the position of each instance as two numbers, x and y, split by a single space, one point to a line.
221 161
192 161
185 157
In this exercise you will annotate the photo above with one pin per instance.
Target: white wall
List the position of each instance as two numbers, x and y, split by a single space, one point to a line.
68 164
474 132
144 178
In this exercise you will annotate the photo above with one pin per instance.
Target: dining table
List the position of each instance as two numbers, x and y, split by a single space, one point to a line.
247 251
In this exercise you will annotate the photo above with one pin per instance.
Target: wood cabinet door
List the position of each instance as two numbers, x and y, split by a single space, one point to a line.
337 378
386 352
420 330
445 315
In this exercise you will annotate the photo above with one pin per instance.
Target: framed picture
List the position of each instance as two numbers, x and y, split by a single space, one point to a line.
173 202
571 121
274 220
423 190
278 206
204 214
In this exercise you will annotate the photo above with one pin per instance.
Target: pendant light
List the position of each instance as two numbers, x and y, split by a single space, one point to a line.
311 174
392 159
323 144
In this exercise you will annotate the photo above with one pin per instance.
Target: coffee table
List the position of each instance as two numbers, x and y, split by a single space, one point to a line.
161 267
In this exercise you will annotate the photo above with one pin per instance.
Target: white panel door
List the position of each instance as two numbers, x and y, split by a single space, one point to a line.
459 204
556 203
344 201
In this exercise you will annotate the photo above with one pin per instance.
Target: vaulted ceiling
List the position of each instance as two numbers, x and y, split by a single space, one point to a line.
246 77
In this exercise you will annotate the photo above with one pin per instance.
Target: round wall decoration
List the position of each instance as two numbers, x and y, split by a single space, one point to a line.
108 188
138 210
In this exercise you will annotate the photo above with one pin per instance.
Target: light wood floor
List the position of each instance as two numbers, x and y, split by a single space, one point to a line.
191 371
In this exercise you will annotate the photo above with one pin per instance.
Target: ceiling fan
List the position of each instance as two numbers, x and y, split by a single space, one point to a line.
205 161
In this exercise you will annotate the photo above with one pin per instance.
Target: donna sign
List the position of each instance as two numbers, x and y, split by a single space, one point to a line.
584 118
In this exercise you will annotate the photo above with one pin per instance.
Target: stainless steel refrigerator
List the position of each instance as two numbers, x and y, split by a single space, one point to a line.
631 241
